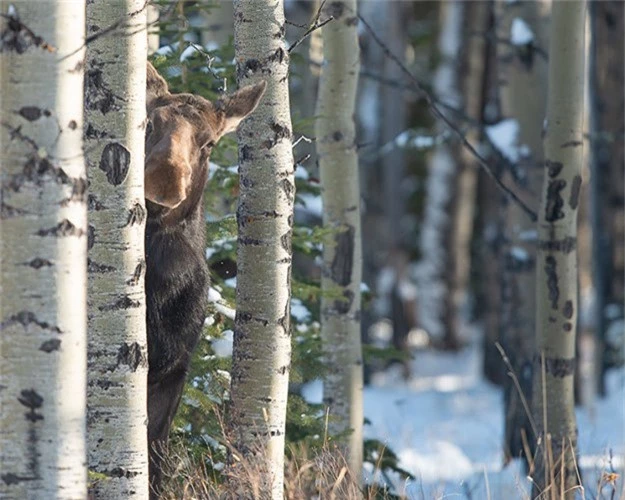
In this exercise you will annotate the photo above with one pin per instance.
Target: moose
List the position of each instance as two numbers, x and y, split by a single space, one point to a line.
181 131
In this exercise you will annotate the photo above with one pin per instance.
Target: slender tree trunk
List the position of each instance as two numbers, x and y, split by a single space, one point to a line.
43 249
472 83
523 93
114 138
556 277
342 255
154 37
448 224
607 213
262 338
435 306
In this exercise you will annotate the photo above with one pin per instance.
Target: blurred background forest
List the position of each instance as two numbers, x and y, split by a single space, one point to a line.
449 262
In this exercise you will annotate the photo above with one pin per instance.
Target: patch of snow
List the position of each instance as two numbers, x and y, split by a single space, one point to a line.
504 136
520 254
231 282
223 346
313 391
613 311
520 32
446 426
188 52
312 203
299 311
165 50
301 173
364 288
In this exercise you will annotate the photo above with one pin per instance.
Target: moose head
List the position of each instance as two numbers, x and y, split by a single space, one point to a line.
181 131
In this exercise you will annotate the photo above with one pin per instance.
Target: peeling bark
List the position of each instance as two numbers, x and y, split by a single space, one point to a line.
43 243
117 390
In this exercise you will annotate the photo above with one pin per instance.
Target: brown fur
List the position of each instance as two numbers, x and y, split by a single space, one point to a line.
182 129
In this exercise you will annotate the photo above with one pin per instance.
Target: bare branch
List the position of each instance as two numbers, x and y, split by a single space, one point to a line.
315 25
437 113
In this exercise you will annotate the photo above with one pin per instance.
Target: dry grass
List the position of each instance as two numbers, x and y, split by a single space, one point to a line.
321 474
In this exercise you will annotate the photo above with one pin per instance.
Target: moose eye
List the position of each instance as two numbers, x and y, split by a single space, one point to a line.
149 128
209 145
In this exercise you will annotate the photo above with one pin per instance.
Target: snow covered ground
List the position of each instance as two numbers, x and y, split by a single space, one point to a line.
446 426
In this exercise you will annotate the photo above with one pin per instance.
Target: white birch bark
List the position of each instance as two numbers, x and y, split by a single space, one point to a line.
342 254
43 244
114 138
556 276
262 339
154 35
522 73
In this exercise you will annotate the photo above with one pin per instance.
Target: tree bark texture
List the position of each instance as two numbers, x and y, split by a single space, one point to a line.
522 74
342 250
556 276
262 339
472 84
117 354
435 307
43 247
607 182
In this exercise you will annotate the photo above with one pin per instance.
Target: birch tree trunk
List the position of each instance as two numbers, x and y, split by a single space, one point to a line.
607 183
115 138
262 337
154 35
523 93
448 221
435 309
556 276
342 251
43 246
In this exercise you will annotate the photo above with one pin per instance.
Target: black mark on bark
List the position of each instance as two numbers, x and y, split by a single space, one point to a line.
553 209
342 306
93 133
286 240
94 204
123 302
553 168
31 113
17 37
337 136
94 267
38 263
33 401
50 345
90 237
115 162
565 245
571 144
63 228
136 276
568 309
279 132
131 356
97 95
552 281
26 318
341 268
136 215
567 327
575 188
558 367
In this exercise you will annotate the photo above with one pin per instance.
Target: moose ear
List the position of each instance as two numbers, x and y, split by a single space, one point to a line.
156 86
239 105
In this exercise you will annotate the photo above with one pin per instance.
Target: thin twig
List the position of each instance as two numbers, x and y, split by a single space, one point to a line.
315 25
440 115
